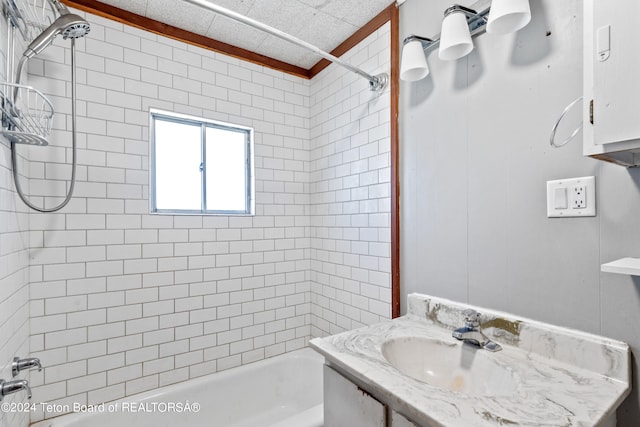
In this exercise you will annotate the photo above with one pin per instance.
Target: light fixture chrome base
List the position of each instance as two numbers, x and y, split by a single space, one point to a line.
379 82
426 42
477 25
458 8
477 21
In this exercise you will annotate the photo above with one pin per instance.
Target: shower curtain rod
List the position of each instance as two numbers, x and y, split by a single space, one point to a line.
376 83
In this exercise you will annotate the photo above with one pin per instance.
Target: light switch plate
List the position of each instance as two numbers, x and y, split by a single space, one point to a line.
574 197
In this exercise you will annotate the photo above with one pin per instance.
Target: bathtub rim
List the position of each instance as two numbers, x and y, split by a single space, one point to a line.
302 353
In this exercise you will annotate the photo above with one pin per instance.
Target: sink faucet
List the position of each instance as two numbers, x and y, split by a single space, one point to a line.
471 333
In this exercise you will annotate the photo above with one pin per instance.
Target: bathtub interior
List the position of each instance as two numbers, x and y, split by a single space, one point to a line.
284 391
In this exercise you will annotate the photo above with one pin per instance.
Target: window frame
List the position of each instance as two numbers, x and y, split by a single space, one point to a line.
155 114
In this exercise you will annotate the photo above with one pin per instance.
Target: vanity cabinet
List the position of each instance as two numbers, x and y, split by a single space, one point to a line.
611 107
348 405
398 420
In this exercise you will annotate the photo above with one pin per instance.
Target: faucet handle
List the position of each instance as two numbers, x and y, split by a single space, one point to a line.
22 364
471 318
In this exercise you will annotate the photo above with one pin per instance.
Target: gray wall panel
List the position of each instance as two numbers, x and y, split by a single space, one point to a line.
475 158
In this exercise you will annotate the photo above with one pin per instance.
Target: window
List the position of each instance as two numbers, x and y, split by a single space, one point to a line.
200 166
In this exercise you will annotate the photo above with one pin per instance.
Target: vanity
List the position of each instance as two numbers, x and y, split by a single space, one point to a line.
411 372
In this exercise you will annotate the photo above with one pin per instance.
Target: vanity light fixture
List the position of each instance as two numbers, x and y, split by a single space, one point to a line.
455 38
414 62
508 16
459 25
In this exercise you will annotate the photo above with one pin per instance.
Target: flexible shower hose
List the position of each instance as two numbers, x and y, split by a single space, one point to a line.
14 156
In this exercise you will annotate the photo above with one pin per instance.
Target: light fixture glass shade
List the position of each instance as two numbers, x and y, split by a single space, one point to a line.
508 16
414 63
455 38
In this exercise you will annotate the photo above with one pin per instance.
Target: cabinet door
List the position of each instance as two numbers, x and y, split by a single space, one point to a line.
347 405
398 420
615 59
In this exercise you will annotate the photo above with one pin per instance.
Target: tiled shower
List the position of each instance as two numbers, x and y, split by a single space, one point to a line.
116 301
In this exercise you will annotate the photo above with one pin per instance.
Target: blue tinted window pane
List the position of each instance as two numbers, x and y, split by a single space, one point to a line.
177 156
226 176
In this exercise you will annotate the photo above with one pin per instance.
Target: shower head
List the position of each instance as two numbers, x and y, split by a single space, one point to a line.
75 30
68 24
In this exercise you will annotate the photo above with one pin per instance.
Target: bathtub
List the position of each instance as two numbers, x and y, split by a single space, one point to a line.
283 391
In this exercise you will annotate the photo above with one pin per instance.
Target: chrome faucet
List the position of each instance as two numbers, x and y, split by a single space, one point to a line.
10 387
22 364
471 333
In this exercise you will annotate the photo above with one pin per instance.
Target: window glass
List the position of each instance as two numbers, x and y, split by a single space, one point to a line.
178 154
226 170
200 166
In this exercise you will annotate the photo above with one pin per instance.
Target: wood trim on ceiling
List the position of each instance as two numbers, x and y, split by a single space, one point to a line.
390 14
369 28
157 27
142 22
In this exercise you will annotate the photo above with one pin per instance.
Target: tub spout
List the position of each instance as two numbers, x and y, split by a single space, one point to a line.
10 387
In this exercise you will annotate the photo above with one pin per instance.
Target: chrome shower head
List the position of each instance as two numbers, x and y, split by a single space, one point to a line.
68 24
77 29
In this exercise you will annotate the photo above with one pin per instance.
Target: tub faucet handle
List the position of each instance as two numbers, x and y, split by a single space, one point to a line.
22 364
10 387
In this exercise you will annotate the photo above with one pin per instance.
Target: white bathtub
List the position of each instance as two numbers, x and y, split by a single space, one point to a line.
284 391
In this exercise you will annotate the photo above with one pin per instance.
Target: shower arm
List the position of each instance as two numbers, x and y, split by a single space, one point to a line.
61 8
377 83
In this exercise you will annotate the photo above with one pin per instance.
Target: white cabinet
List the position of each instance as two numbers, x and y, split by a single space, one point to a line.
398 420
611 112
347 405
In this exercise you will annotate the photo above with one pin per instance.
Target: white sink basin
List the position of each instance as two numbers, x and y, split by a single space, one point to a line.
450 366
544 375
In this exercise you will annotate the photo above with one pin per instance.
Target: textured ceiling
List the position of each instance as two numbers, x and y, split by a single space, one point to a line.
324 23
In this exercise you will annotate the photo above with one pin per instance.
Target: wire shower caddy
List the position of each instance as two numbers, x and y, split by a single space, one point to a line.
27 114
28 119
30 17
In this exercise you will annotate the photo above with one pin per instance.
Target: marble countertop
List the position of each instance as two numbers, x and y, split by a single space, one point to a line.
565 377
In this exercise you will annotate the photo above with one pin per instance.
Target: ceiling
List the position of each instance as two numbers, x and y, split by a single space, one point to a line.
324 23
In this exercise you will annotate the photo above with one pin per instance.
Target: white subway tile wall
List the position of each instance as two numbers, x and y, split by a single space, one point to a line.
14 270
122 301
350 200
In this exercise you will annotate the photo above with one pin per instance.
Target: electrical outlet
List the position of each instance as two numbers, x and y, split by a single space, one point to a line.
571 197
579 193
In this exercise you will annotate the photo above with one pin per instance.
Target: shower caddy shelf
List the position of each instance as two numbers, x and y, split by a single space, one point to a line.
29 119
30 17
27 114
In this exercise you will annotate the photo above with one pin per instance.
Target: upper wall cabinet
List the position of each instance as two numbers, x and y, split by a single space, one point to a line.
612 81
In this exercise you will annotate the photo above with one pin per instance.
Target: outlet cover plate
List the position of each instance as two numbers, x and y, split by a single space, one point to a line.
580 196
